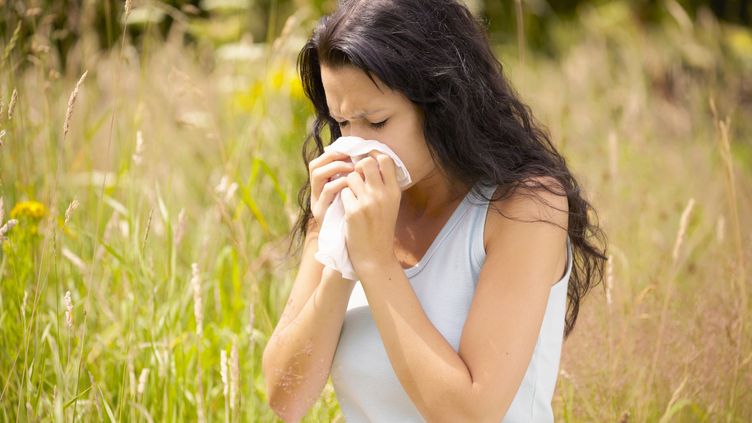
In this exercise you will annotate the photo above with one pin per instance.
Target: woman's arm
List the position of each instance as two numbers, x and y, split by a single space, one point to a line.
477 383
298 357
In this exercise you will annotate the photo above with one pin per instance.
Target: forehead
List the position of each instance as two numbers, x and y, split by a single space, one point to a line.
349 88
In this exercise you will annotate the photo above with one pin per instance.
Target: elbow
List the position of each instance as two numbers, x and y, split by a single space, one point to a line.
468 408
465 414
285 411
280 401
274 398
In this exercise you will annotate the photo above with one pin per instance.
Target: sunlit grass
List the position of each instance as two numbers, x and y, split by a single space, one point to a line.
221 132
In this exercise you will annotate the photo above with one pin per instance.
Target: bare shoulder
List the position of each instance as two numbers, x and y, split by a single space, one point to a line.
528 205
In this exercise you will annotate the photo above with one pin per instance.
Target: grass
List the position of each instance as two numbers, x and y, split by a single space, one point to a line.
655 122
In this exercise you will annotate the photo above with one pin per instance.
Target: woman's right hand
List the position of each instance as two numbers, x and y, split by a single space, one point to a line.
323 190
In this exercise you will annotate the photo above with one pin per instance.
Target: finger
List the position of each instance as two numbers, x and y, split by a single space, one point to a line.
327 171
326 157
330 191
321 175
349 202
355 183
370 170
388 169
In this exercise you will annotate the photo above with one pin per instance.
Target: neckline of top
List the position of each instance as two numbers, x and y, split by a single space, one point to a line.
458 212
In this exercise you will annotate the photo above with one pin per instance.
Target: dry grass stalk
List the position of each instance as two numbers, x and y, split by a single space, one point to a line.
23 304
674 397
72 206
132 379
6 228
74 259
112 223
740 274
225 382
146 234
127 7
71 103
138 155
723 126
12 43
68 302
179 228
198 310
684 221
720 229
12 104
223 372
251 317
201 417
234 376
290 24
142 379
226 187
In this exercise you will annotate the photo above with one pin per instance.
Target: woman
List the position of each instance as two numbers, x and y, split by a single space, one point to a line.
467 278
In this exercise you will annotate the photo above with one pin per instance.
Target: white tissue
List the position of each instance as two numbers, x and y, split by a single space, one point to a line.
332 251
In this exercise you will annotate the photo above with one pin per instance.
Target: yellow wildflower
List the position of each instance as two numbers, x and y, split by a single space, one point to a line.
32 209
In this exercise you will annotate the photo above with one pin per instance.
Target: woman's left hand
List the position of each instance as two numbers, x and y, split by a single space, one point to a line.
371 201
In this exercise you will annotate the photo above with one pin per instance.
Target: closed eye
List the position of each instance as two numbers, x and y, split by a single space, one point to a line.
378 125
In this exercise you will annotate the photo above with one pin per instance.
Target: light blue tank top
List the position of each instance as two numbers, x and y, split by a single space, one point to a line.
444 281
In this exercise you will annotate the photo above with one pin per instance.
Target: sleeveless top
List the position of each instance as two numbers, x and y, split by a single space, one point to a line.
444 280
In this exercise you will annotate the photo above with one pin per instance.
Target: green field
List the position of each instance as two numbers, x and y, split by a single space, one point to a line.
180 153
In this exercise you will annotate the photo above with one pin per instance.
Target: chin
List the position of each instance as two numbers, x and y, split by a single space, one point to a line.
408 186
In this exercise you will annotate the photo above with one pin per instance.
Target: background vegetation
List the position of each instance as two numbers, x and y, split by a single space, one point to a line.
150 162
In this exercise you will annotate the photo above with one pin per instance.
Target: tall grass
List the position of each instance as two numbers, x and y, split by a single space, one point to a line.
184 163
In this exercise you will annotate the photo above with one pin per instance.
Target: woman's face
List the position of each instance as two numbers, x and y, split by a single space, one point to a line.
377 113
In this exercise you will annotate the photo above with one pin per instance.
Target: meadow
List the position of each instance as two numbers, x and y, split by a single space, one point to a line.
148 192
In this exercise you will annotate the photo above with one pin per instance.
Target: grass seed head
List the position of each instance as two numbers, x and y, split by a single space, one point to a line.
71 103
12 104
68 302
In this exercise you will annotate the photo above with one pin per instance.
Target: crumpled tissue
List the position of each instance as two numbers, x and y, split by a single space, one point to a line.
332 250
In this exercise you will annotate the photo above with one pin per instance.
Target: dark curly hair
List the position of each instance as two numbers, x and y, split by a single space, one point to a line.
437 54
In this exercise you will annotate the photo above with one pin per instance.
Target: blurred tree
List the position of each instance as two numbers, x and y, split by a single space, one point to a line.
58 24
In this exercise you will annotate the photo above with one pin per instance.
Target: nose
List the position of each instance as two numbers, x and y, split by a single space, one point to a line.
358 130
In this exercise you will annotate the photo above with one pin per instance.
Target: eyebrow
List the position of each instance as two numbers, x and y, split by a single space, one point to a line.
362 114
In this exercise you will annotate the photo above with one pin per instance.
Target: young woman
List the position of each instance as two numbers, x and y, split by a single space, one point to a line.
470 277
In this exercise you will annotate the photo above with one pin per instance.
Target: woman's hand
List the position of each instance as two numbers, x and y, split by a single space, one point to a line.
371 201
321 170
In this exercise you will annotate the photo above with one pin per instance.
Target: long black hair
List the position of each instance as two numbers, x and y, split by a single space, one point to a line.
437 54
